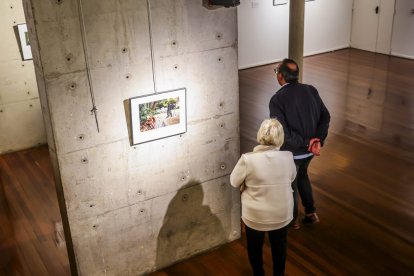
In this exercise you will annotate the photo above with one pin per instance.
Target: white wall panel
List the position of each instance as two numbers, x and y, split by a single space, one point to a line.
385 23
403 29
264 29
21 125
365 25
327 25
18 84
21 121
372 25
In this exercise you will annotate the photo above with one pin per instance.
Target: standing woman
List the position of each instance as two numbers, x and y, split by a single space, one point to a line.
264 177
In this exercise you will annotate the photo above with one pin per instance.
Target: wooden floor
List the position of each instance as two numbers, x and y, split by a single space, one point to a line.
28 214
363 181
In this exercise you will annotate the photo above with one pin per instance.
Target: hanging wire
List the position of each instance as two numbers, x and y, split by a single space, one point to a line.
88 71
154 79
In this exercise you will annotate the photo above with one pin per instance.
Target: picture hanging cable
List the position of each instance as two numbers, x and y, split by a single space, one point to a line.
88 72
154 79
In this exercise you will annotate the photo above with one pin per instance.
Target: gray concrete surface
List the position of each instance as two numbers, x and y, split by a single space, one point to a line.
126 209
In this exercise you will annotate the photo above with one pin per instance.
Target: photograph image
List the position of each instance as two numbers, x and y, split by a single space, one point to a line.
157 114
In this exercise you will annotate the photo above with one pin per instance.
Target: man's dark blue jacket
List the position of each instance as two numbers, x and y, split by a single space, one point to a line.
301 111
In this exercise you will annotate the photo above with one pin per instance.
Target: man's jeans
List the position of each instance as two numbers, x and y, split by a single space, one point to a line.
302 185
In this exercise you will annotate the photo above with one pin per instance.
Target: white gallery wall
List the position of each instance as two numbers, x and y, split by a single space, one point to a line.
327 25
21 123
262 32
263 29
372 23
384 26
403 33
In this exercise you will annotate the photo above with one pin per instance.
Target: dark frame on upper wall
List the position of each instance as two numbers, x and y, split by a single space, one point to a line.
24 42
279 2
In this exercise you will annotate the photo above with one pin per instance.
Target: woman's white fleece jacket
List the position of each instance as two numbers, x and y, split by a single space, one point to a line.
267 199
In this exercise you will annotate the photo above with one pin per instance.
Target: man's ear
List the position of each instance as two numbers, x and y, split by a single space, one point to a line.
280 79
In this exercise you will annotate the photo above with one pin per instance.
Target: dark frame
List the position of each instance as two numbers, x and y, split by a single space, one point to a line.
24 42
279 2
158 116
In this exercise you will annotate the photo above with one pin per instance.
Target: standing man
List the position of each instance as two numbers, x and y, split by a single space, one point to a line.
170 107
305 120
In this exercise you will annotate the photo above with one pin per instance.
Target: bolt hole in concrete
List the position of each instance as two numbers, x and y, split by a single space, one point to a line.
174 43
28 92
11 7
124 50
81 137
95 226
73 86
59 1
30 105
84 160
184 197
223 166
219 36
142 211
219 59
175 67
222 125
92 205
128 77
69 57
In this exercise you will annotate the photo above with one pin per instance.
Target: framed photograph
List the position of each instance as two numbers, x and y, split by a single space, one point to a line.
158 116
24 42
279 2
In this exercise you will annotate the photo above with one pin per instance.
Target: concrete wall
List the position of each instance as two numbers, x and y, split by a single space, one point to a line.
128 209
21 124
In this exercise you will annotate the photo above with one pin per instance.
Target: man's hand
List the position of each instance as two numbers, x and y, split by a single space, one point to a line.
315 146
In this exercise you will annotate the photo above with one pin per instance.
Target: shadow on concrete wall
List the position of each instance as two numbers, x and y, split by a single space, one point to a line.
189 227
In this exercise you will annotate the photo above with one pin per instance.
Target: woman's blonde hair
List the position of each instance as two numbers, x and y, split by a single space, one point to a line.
271 133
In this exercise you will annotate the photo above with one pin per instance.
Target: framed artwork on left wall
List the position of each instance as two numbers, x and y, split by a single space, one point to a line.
279 2
24 42
159 115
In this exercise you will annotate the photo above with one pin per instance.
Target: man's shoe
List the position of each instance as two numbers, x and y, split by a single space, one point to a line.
310 218
294 224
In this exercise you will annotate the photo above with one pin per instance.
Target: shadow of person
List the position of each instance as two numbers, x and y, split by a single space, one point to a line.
189 227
